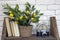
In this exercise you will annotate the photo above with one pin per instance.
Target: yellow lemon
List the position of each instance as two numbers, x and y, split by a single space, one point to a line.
10 11
27 12
26 17
32 19
21 17
16 22
11 15
34 14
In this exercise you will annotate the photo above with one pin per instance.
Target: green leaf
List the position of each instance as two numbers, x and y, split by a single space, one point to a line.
27 8
41 14
16 7
28 4
24 22
7 13
33 8
37 11
5 6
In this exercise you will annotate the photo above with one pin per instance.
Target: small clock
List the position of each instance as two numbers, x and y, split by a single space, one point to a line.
41 30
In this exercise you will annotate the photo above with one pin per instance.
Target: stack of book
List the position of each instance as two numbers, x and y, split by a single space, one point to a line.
12 28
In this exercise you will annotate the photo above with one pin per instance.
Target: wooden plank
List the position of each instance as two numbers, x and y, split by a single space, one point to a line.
4 31
53 28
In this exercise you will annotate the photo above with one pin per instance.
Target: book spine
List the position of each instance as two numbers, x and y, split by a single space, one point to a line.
16 30
8 26
12 28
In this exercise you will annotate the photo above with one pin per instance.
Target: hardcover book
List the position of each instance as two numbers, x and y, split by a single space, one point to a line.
8 27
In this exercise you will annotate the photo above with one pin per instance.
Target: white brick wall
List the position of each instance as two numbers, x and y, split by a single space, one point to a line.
24 1
53 7
41 7
57 12
48 7
57 1
45 1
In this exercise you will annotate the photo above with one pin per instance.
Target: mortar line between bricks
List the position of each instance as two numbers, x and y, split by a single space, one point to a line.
47 4
47 7
55 12
8 0
40 10
55 2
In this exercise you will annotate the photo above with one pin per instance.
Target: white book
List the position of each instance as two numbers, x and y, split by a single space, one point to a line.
8 26
15 30
12 27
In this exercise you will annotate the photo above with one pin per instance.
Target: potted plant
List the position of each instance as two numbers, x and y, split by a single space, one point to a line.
23 17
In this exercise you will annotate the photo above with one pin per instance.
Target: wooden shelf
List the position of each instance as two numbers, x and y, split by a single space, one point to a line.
53 33
30 38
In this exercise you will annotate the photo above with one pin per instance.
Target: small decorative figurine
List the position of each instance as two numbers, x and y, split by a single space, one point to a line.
42 30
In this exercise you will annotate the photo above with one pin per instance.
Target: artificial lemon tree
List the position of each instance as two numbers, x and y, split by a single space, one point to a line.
23 17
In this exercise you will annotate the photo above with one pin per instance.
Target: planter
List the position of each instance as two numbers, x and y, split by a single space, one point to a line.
26 31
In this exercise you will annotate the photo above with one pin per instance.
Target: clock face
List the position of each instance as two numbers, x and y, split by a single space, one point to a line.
42 27
42 30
